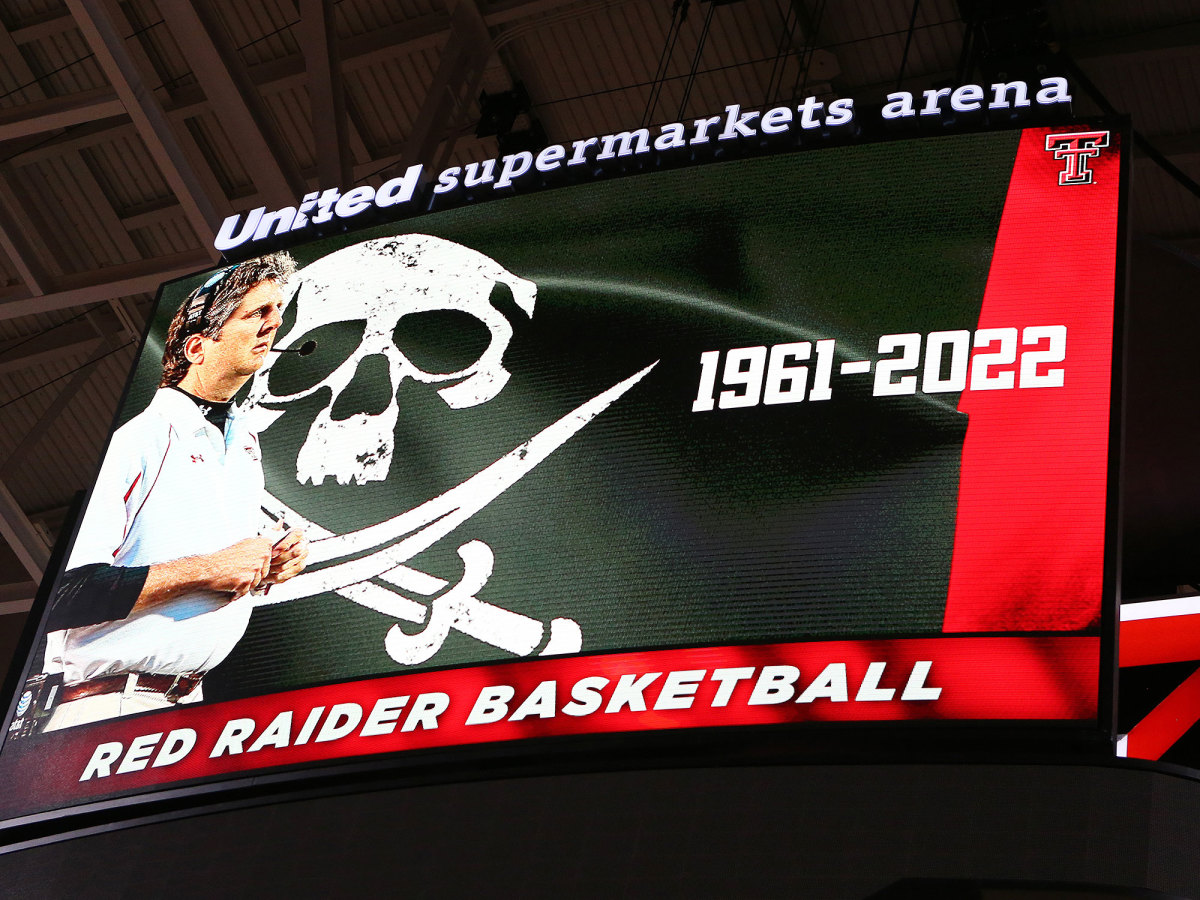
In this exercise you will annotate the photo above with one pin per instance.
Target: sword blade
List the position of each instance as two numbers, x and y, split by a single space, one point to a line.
428 523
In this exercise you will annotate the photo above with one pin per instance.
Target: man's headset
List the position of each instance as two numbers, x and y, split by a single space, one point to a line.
196 318
198 309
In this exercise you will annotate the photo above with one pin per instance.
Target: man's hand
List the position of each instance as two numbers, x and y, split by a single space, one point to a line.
236 570
240 568
288 558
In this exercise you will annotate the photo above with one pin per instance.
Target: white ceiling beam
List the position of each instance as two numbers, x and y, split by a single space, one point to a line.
63 343
90 190
455 84
19 234
69 351
17 598
17 457
15 241
498 14
50 27
24 539
278 75
104 284
1157 45
222 76
1172 145
41 116
108 223
357 52
98 21
513 10
327 99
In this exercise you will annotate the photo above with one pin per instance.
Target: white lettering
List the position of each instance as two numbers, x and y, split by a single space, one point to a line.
774 685
426 710
515 165
830 683
137 757
627 140
899 104
672 137
808 112
277 734
702 126
491 705
550 158
281 220
384 715
233 735
585 696
448 180
679 689
309 726
915 688
736 124
325 203
870 690
476 174
932 99
1054 90
179 743
226 240
729 679
628 692
967 98
100 765
579 156
540 703
777 120
1000 94
840 112
306 205
399 190
355 201
343 718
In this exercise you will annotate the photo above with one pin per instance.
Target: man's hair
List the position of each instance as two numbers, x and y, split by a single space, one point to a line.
208 307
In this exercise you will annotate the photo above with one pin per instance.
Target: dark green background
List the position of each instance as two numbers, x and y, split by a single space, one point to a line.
654 525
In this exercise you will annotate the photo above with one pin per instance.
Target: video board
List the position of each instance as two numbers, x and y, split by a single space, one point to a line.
810 437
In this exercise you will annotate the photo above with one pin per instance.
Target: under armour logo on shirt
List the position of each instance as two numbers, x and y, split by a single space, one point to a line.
197 458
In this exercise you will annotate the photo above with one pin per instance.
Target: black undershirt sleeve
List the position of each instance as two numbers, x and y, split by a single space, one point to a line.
96 593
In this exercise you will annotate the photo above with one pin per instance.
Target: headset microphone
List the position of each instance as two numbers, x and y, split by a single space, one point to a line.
304 349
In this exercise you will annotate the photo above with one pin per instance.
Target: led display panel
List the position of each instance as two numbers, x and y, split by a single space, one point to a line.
811 437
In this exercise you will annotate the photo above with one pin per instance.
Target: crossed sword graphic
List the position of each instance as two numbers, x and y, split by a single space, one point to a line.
402 537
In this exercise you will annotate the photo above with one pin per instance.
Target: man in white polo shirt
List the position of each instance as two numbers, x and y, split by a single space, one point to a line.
173 540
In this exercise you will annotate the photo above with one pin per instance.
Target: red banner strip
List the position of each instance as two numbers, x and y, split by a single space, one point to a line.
1167 639
1029 537
1167 722
969 678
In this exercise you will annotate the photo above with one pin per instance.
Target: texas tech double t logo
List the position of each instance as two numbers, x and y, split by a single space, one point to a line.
1075 150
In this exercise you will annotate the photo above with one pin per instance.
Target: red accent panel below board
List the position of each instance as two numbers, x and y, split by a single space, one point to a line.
1166 639
1167 722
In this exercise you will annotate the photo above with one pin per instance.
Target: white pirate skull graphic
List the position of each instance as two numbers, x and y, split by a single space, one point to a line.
381 281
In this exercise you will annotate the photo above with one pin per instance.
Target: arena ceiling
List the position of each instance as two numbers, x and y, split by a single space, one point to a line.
129 131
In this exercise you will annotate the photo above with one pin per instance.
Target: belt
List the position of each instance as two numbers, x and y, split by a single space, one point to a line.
172 687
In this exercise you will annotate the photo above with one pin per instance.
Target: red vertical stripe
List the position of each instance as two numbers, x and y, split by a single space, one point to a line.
1029 537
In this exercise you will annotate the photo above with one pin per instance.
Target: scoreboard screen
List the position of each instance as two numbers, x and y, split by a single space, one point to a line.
792 440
